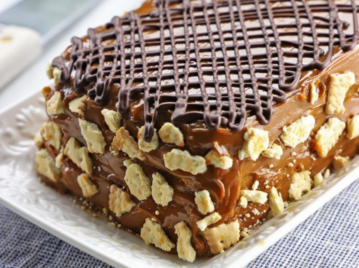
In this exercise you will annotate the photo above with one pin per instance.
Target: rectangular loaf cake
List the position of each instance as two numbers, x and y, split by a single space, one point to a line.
190 122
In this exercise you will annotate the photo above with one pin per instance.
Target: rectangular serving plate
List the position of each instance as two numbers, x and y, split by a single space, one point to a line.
22 192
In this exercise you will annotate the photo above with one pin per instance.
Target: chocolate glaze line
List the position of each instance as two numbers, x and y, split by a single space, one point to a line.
200 58
268 107
181 102
149 131
159 75
122 47
214 121
346 46
254 82
202 83
241 113
125 90
316 50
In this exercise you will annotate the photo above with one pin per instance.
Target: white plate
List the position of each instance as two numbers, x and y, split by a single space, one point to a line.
21 191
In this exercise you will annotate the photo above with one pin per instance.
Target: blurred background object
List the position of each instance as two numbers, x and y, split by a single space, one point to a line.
27 26
33 78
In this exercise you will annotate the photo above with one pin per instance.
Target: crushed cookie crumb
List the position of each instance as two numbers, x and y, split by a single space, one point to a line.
183 160
340 161
256 141
314 95
353 127
79 155
209 220
301 183
87 186
204 202
93 136
184 247
162 192
328 135
54 104
112 119
275 152
275 202
244 234
123 141
222 236
78 105
144 145
298 131
338 88
169 133
255 196
219 161
46 166
318 180
138 182
119 201
243 202
255 211
326 174
127 163
152 233
255 185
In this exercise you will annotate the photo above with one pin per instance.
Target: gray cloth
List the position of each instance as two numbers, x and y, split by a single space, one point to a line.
329 238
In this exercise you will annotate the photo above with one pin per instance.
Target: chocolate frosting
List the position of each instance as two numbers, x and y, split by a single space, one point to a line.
217 61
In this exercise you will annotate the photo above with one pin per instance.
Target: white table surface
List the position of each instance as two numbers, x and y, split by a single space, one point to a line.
34 78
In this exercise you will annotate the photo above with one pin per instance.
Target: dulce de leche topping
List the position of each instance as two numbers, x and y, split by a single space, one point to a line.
195 120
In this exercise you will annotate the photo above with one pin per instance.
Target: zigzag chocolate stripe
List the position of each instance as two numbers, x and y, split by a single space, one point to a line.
217 61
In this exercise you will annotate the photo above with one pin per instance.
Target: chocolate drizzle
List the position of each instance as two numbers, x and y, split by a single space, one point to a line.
216 61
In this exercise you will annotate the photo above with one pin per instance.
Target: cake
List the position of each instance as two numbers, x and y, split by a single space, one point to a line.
189 123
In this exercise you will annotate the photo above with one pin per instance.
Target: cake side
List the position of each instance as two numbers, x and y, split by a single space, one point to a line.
193 187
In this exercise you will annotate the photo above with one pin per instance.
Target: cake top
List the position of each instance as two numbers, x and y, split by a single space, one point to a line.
216 61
